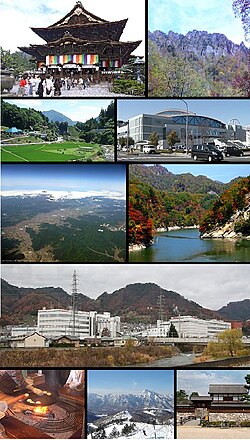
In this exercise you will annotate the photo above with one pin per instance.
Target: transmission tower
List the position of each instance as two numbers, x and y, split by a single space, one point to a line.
74 301
160 303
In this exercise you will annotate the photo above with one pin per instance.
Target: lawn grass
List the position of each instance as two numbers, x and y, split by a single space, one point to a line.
52 152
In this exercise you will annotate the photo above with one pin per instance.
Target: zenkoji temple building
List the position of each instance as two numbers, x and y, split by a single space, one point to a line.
81 43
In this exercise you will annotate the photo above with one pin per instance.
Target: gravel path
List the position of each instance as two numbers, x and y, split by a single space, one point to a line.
193 432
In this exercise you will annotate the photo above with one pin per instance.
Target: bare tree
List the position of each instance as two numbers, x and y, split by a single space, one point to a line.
241 9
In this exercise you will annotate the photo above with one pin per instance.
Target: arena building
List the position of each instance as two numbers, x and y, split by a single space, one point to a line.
201 129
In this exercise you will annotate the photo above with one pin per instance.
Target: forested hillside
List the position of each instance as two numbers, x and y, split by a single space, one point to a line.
150 209
232 208
22 118
197 64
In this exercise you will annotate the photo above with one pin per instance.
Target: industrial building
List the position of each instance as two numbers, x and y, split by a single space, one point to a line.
53 323
189 327
200 129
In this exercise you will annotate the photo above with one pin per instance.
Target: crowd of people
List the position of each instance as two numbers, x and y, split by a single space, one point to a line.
48 86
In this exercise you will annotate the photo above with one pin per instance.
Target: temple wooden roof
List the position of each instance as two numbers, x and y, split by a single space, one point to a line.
89 31
78 15
106 49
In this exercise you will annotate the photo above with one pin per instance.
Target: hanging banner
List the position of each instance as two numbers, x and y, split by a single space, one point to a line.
111 63
77 58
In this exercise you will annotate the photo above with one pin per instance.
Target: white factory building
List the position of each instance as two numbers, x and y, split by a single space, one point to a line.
189 327
53 323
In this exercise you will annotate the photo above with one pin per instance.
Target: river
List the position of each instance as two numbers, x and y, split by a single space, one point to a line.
175 361
186 245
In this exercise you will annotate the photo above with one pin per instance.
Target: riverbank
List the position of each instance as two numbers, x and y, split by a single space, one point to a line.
84 356
176 228
136 247
139 246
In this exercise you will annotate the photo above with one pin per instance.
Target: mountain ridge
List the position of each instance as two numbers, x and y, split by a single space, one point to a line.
201 44
137 301
55 116
113 403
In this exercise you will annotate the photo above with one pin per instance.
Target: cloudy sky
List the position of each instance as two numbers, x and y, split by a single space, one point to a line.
19 16
199 380
75 109
183 16
211 286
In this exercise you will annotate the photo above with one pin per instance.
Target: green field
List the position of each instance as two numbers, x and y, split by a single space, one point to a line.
52 152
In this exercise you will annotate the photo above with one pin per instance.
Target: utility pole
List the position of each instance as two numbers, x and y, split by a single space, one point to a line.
74 301
160 303
186 124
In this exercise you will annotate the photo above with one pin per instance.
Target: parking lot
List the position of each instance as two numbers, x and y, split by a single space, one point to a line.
174 157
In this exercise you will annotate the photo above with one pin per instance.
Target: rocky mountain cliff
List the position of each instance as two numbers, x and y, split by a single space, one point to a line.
196 44
229 217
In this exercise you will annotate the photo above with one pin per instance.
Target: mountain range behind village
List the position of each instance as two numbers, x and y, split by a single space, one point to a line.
136 302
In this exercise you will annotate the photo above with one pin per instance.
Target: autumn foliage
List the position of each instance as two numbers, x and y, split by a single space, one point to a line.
230 201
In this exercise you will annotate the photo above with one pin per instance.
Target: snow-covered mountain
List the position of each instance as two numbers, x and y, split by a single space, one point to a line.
123 425
56 195
113 403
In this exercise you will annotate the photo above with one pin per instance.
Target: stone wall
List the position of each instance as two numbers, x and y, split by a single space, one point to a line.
226 417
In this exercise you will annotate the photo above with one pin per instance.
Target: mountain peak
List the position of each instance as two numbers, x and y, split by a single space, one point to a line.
200 43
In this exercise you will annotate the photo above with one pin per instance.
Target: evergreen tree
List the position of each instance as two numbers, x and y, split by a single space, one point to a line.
172 331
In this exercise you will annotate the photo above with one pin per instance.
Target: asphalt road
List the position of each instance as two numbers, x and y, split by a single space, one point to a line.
173 158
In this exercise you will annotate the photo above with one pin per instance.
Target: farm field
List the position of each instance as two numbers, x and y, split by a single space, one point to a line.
52 152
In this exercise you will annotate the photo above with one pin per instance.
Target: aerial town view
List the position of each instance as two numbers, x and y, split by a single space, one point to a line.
55 213
125 219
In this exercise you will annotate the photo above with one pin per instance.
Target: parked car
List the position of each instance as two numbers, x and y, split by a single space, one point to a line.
149 149
206 152
233 151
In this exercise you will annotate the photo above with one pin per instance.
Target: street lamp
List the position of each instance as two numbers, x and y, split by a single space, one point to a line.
128 136
186 124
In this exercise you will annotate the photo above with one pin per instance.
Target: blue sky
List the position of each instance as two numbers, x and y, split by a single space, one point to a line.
223 173
199 380
222 109
20 16
130 381
64 177
75 109
183 16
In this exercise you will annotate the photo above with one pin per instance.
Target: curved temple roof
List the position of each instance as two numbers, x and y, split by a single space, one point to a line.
78 15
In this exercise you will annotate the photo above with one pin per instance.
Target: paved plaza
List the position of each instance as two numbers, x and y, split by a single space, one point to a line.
95 91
